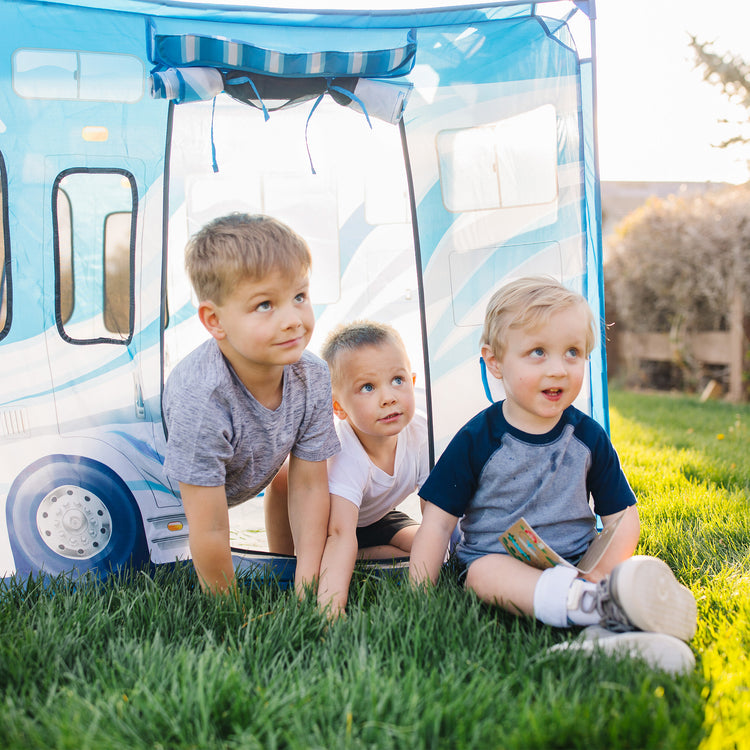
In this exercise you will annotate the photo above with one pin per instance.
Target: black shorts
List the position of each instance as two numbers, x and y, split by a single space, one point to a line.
382 531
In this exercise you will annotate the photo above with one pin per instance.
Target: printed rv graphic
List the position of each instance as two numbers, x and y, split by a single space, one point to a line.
425 157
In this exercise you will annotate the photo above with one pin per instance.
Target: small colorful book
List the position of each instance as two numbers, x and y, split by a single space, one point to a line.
523 543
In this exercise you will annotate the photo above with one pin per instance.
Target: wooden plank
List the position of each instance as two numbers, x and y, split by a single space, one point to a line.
736 347
711 347
652 346
727 348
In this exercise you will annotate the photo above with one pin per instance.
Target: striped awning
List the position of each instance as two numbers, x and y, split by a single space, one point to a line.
192 50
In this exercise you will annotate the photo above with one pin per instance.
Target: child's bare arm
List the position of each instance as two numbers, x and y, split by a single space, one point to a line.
208 522
623 542
309 506
339 556
430 544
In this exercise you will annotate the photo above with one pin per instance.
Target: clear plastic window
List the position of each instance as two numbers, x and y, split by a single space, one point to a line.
67 74
94 220
308 203
512 162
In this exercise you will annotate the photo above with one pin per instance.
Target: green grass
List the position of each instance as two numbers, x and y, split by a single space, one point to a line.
150 662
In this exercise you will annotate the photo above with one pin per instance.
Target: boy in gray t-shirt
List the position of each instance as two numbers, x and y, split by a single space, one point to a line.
250 397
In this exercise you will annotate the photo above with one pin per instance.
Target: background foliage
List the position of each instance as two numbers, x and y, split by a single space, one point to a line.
675 265
675 262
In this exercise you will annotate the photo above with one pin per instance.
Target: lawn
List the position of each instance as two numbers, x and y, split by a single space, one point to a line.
147 661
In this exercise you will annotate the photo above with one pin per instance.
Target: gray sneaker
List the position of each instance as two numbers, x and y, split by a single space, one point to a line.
642 593
659 650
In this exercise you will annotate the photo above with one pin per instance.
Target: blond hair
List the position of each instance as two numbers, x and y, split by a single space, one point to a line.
528 303
350 337
241 246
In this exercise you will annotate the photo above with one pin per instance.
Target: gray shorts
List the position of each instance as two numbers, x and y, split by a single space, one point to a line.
382 531
465 562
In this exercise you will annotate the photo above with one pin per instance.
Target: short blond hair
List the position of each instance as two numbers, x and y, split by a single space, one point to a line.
528 303
350 337
240 246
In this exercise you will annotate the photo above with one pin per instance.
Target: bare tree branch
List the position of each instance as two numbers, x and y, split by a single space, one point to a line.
727 71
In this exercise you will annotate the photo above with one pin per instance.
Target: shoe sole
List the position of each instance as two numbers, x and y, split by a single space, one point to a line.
658 650
652 598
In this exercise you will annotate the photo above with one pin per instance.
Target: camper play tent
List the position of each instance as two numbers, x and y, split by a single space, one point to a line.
426 156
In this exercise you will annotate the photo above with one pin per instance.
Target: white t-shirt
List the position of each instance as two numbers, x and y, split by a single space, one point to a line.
353 476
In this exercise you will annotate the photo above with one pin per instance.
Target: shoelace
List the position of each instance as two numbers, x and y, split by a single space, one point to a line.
613 618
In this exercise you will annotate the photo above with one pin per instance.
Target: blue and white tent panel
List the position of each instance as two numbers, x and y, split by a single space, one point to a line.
430 156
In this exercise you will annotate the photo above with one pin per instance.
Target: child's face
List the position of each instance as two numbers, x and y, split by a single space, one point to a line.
375 390
263 323
542 370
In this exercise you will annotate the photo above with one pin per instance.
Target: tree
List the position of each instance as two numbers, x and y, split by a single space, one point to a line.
732 75
679 265
673 260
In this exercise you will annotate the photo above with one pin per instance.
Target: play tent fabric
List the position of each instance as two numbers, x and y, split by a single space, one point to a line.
426 155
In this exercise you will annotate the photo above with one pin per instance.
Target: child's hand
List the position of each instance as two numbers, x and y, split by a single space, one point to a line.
335 614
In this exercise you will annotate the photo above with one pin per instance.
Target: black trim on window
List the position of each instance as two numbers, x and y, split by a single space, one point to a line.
6 287
131 263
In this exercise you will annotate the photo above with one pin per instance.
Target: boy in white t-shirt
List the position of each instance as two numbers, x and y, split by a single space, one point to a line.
383 455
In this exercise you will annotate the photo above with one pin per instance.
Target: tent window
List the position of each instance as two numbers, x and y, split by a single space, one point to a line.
5 289
94 220
512 162
67 74
308 203
386 194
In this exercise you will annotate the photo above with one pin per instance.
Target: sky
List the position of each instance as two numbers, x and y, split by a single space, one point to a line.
657 118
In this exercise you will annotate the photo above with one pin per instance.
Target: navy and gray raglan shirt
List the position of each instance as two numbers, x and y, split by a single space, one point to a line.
491 474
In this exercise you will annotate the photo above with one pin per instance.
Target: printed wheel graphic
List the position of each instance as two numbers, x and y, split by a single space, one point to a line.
70 513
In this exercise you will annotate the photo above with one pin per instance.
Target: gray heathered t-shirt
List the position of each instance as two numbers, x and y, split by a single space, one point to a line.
218 434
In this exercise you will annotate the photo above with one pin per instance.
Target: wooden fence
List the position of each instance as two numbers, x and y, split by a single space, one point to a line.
689 350
710 348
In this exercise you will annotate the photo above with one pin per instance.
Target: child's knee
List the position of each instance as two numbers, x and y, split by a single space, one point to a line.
404 538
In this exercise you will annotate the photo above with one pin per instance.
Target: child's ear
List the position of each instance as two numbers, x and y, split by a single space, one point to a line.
209 316
491 362
338 410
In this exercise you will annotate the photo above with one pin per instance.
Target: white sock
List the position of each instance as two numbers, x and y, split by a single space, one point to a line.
551 595
581 598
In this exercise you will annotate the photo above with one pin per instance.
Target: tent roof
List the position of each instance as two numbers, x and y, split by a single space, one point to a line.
338 12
